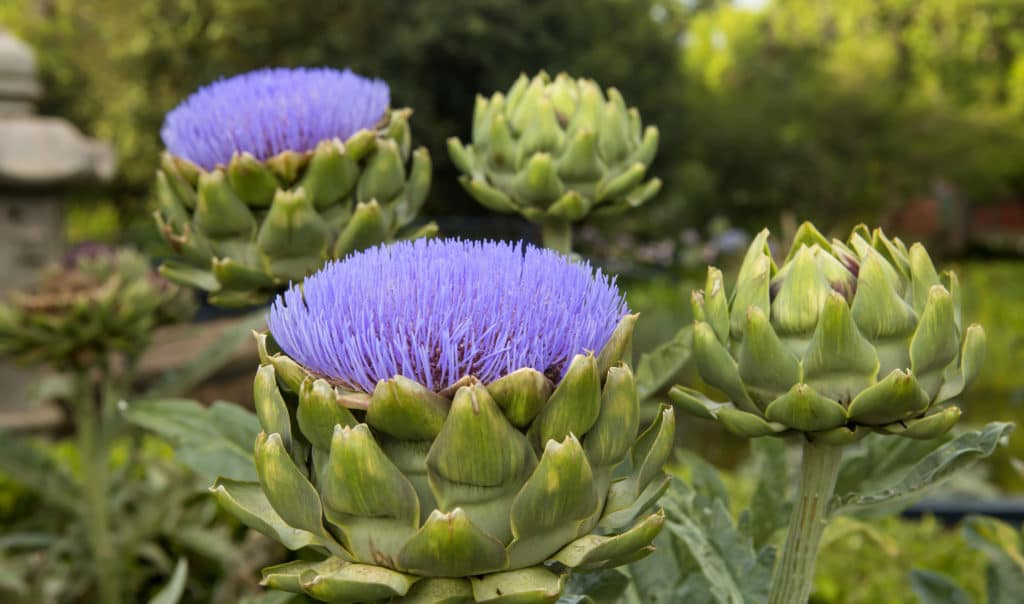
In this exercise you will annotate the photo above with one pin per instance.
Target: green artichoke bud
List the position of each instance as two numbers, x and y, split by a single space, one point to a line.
469 495
425 487
100 302
267 192
840 340
556 151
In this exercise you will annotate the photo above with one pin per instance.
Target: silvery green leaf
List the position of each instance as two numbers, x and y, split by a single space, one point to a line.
695 590
703 477
769 506
605 585
880 460
1002 545
938 466
172 592
736 573
212 441
657 367
655 579
936 588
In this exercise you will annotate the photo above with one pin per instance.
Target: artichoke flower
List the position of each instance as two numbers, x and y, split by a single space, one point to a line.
840 340
438 428
270 173
101 301
557 151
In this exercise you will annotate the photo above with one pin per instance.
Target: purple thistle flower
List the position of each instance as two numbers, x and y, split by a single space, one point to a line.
438 310
272 110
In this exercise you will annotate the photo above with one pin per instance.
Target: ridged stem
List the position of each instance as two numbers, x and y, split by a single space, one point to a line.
93 443
793 580
557 235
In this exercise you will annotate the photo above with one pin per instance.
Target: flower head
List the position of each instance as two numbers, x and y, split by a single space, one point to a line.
438 310
268 111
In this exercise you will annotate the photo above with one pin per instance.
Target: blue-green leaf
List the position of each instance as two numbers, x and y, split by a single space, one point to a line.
952 457
936 588
172 592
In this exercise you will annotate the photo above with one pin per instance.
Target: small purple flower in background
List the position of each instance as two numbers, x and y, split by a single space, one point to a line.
438 310
268 111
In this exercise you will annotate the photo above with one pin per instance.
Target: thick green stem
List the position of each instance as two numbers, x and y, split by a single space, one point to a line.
794 576
94 448
557 235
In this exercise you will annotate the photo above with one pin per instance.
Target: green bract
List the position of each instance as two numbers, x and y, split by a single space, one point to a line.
554 151
842 339
245 230
482 493
102 302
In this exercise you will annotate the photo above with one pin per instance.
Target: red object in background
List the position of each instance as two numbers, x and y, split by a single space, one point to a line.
948 225
1005 217
919 219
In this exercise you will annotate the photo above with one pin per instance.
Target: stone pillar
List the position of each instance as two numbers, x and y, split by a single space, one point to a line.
40 158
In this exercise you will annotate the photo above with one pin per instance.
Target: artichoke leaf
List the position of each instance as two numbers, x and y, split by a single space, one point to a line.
592 549
533 585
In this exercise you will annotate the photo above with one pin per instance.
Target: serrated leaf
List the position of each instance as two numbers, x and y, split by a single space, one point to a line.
881 460
769 506
655 579
172 592
936 588
959 453
208 361
212 441
656 368
701 476
736 573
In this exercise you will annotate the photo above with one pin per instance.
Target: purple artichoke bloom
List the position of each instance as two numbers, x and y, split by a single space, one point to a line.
438 310
268 111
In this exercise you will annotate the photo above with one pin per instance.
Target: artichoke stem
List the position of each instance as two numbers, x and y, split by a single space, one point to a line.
93 443
557 235
794 574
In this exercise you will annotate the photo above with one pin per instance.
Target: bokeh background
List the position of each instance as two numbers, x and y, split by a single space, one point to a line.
907 114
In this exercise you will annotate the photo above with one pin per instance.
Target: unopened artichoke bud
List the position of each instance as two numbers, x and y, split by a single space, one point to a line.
271 173
457 436
557 151
101 301
841 339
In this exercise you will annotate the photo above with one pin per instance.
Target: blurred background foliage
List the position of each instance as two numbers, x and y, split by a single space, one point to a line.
836 111
770 111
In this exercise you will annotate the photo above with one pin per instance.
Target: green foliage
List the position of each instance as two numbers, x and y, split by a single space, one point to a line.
993 291
163 518
897 486
116 66
213 442
830 110
935 588
706 557
860 569
834 110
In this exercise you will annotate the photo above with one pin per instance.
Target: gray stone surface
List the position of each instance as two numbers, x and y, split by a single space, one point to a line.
38 151
40 157
19 86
